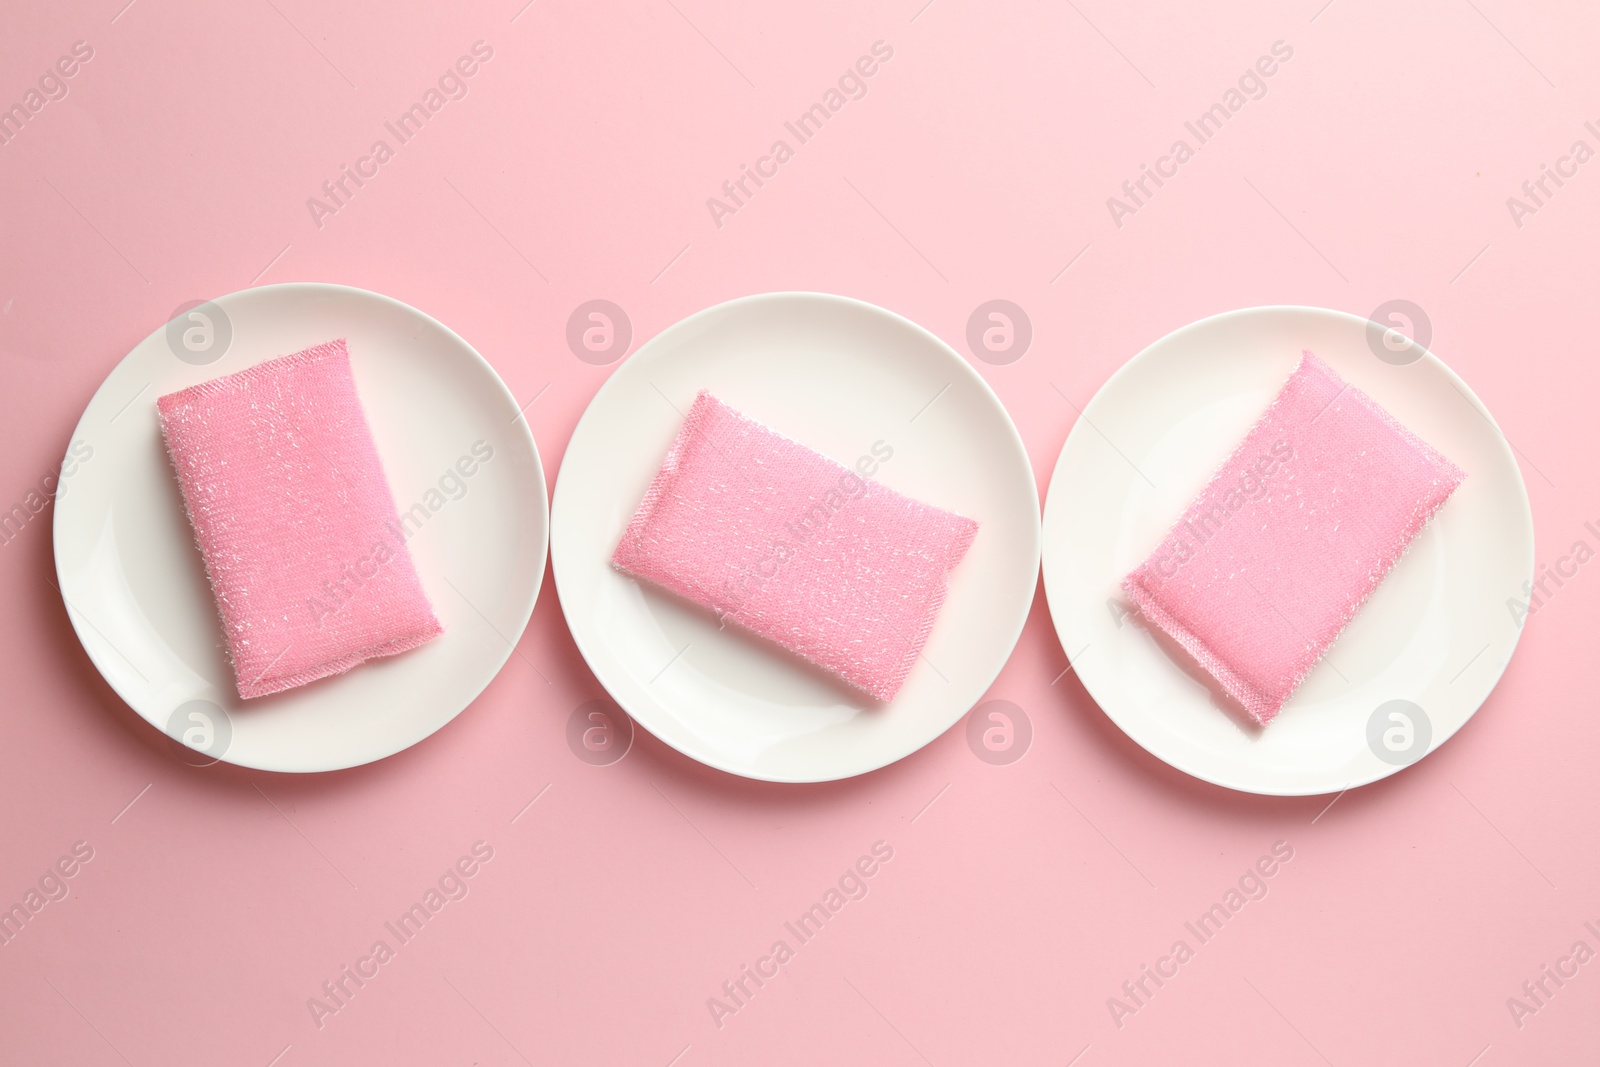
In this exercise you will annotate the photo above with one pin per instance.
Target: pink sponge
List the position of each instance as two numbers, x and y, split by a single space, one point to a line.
791 545
294 520
1301 523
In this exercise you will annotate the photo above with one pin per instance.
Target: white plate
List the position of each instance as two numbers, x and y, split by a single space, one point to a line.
1436 633
136 589
837 375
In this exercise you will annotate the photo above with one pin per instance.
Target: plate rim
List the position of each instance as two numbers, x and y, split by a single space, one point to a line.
1502 444
1013 441
542 495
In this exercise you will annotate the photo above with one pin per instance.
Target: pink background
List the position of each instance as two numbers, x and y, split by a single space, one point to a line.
978 166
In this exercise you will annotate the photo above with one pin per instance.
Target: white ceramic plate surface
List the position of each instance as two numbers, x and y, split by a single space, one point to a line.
1436 633
136 589
839 376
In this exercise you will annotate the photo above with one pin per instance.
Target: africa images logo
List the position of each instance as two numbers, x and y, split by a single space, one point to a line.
851 85
852 885
804 528
1251 85
52 87
1252 481
452 885
1251 886
337 192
